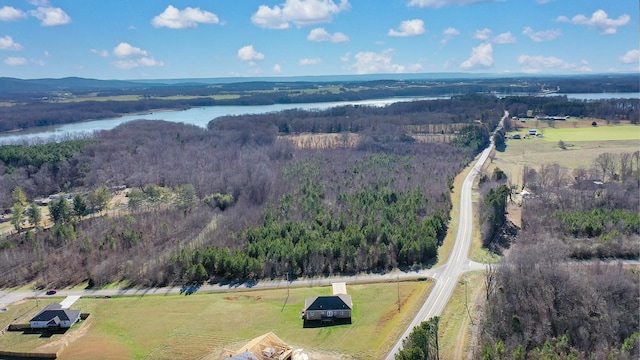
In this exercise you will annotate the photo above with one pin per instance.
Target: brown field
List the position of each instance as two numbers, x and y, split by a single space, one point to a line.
323 141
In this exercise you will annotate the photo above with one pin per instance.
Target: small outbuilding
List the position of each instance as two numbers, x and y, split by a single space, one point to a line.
55 316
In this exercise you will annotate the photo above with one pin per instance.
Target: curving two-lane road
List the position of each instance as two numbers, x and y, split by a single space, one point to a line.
447 275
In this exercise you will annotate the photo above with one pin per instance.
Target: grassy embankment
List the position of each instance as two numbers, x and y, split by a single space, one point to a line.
177 326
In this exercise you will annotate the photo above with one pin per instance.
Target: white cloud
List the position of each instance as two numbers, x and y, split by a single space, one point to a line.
368 62
124 50
8 13
7 43
101 53
320 34
346 57
299 12
132 56
413 27
38 2
314 61
535 64
450 64
50 16
481 58
449 33
174 18
540 36
504 38
443 3
599 20
134 63
15 61
631 57
248 53
482 34
276 68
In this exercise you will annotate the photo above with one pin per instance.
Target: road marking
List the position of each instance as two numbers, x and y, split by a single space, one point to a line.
444 287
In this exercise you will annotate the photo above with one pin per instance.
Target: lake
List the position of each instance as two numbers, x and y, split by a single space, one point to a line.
201 116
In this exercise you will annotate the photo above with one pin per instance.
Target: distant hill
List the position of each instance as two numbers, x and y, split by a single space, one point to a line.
618 82
13 85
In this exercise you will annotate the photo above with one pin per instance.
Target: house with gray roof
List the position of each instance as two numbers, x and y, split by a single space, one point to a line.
55 316
327 309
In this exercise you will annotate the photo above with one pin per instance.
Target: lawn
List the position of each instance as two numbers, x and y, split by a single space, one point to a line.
21 313
175 326
588 133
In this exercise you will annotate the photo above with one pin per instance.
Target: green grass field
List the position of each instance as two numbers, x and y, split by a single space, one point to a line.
178 326
533 152
588 133
21 313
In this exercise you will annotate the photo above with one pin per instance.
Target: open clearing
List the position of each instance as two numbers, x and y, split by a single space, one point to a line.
178 326
533 152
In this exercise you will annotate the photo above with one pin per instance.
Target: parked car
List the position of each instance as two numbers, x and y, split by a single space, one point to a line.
52 292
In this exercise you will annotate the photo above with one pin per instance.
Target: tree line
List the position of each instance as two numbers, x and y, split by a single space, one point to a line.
541 302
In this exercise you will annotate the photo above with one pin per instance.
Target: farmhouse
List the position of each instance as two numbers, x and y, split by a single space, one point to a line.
54 316
328 309
533 132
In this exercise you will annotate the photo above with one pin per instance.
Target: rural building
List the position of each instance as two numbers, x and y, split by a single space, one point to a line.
265 347
328 309
54 316
516 136
533 132
553 118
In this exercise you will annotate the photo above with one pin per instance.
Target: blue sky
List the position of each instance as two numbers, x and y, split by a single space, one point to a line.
158 39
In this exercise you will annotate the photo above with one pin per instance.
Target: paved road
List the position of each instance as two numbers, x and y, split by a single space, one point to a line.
447 275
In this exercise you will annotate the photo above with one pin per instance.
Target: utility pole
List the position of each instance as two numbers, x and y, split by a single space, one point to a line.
398 282
287 276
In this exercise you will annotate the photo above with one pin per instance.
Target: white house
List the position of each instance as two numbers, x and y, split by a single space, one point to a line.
54 316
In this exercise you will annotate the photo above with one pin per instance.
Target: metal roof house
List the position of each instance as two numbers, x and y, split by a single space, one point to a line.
54 316
328 309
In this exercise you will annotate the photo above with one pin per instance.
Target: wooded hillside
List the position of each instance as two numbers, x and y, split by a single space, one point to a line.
238 200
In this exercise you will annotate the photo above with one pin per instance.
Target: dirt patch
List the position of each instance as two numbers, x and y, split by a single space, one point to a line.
242 297
68 338
514 214
95 347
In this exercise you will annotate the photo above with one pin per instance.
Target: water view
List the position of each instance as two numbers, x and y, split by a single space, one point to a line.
202 115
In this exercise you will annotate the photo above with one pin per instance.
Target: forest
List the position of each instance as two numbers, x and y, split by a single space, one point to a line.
33 103
554 295
239 201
